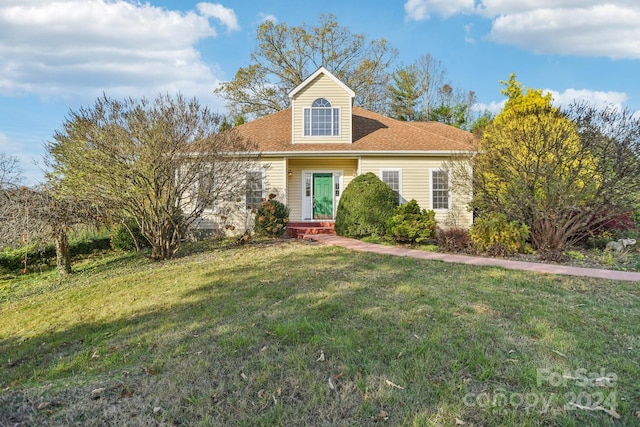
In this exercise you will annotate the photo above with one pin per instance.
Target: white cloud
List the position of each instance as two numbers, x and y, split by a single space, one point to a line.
225 15
81 48
567 97
568 27
30 162
422 9
267 17
596 98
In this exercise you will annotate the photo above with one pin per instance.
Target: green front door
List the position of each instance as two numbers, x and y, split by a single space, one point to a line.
322 196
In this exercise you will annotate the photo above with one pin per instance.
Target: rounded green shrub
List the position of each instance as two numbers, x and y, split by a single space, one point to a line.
365 206
410 224
272 218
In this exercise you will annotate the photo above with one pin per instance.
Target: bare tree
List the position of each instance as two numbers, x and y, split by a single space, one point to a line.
160 163
286 55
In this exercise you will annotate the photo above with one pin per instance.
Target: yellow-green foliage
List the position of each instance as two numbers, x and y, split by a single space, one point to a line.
494 234
532 157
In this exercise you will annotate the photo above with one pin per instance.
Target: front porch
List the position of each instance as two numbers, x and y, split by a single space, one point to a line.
314 187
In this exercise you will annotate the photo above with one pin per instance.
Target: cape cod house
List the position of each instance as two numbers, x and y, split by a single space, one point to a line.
311 151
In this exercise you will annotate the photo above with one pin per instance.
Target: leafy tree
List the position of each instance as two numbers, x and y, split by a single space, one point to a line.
159 162
421 91
365 206
556 172
286 55
405 94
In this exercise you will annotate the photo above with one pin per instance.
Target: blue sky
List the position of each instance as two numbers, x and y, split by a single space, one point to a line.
59 55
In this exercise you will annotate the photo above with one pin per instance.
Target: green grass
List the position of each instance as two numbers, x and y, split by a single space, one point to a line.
293 333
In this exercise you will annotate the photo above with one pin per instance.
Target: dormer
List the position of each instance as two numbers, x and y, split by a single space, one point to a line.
321 109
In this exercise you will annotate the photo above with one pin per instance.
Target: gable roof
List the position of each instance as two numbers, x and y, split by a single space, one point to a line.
312 77
372 133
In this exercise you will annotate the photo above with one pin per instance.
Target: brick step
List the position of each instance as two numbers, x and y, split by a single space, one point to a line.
299 229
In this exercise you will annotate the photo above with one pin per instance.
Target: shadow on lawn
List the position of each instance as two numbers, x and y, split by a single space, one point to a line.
323 337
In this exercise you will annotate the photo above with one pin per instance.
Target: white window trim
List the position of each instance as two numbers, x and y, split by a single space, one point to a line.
263 180
399 170
449 196
339 135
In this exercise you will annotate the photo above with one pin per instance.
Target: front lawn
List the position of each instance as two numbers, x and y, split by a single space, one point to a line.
289 332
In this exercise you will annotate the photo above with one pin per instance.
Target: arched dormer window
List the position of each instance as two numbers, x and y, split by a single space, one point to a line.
321 119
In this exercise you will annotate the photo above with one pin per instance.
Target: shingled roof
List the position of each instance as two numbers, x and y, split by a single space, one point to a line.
372 132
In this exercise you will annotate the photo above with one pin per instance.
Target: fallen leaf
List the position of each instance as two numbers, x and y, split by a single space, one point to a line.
609 411
149 371
321 358
394 385
559 354
279 391
459 422
638 414
612 412
157 409
243 376
264 348
331 386
95 355
95 394
43 405
384 415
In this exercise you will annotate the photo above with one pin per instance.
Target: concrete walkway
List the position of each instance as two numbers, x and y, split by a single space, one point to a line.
358 245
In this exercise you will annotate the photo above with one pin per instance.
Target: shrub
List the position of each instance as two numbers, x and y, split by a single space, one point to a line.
127 237
454 240
494 234
272 218
365 206
410 224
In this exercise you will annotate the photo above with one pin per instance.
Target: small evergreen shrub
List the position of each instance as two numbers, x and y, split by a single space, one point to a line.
272 218
410 224
365 206
123 240
494 234
454 240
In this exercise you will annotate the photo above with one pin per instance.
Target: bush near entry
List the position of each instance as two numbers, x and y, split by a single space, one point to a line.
272 218
365 206
410 224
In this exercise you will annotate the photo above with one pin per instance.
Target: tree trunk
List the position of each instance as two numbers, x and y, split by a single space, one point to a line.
63 253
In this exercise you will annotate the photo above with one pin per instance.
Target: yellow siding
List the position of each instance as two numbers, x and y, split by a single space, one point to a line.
416 184
274 168
322 87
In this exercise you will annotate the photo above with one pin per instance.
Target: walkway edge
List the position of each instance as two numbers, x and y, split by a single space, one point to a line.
358 245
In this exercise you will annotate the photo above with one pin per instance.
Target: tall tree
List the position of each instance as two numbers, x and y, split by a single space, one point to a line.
561 173
405 95
10 171
286 55
159 162
454 108
421 91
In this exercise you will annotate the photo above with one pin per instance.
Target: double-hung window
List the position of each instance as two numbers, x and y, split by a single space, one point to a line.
392 178
254 189
321 119
440 195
